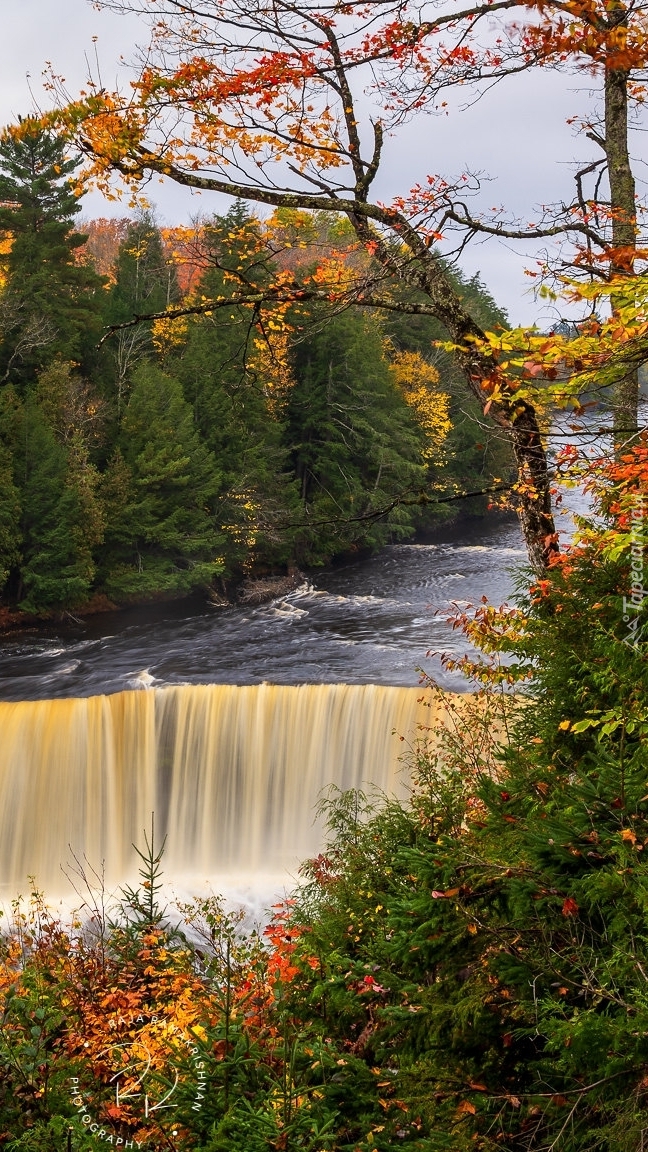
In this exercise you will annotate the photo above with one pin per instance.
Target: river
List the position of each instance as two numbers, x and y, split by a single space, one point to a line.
365 622
229 722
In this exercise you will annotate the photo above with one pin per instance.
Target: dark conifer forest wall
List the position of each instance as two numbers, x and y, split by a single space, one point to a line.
176 455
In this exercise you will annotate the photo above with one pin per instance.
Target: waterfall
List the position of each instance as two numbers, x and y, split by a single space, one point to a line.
233 774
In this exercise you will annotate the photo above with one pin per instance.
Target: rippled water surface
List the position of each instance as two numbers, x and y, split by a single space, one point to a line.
365 622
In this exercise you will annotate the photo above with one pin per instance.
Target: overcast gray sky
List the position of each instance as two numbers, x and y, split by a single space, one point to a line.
517 133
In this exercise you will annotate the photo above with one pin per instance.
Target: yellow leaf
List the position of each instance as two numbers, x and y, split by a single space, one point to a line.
628 835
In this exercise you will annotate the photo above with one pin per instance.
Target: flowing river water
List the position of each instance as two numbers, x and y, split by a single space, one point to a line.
368 622
229 722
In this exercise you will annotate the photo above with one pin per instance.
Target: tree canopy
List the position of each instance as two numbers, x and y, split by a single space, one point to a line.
192 453
293 107
50 303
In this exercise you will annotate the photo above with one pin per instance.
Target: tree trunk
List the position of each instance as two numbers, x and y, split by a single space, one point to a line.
518 418
624 232
426 273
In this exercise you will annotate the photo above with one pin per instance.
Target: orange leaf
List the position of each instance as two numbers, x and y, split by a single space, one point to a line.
466 1106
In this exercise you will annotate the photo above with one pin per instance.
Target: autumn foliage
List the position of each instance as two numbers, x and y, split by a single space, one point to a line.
463 970
299 431
298 114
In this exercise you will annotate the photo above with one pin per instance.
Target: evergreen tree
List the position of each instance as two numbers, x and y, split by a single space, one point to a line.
50 304
145 282
477 453
10 509
62 518
238 416
51 519
355 442
159 493
145 279
11 426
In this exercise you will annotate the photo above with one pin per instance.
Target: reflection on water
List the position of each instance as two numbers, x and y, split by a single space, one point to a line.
367 622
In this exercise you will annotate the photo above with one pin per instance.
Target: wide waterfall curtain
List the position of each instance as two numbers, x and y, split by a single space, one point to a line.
233 774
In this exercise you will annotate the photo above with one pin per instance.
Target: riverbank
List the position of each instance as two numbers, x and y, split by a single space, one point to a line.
250 591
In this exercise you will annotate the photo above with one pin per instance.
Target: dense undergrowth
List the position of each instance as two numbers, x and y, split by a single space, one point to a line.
467 970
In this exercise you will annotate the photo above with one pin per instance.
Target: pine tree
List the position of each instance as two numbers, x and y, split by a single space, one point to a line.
355 443
225 378
145 279
62 518
10 509
11 426
159 493
50 305
145 282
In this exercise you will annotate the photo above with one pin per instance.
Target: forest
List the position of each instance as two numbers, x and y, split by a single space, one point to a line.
462 969
169 456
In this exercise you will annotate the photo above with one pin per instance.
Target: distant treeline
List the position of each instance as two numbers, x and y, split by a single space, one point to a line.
177 454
